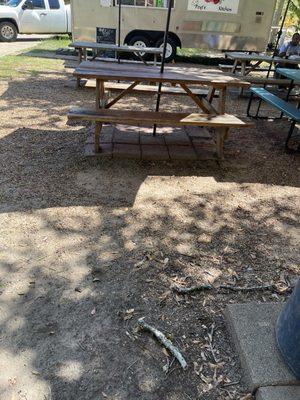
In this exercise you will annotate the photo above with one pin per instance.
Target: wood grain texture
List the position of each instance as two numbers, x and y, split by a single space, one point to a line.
151 89
159 118
173 75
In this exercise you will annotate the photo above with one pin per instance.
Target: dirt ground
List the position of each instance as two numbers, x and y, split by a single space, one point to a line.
87 247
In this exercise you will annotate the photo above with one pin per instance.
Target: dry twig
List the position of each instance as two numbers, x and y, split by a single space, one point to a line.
164 341
186 290
247 288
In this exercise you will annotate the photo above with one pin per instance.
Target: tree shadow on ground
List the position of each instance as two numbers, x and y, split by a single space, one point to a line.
87 247
73 288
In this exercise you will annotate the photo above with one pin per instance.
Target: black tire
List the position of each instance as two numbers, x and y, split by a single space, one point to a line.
172 45
8 32
140 39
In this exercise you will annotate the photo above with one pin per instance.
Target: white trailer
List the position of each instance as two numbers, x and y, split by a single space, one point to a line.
206 24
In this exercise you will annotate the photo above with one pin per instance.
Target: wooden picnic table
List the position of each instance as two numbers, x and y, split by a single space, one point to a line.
179 76
242 60
101 47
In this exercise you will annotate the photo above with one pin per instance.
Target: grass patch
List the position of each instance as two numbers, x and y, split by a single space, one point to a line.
28 63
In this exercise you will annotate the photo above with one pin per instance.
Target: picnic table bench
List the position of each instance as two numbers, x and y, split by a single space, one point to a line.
210 116
284 106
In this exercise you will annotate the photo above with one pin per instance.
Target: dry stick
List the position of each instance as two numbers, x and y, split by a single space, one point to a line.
247 289
187 290
163 340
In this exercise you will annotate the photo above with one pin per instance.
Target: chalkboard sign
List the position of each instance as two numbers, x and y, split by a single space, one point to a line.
107 36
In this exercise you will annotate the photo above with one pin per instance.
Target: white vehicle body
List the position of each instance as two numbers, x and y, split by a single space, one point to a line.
205 24
34 16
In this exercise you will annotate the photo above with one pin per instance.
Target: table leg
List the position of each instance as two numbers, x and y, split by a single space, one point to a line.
100 103
141 58
234 67
222 100
243 68
290 89
100 94
98 128
211 94
79 62
243 73
221 135
253 67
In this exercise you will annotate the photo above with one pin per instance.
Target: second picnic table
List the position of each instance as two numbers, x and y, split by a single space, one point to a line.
182 77
102 47
242 60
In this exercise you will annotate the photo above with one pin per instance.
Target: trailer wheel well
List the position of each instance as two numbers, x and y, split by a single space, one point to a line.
11 20
152 36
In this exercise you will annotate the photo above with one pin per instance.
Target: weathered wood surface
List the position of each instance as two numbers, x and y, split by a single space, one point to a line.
227 67
259 57
175 75
149 89
115 47
159 118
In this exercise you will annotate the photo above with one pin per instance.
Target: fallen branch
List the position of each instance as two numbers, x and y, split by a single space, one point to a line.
247 288
186 290
164 341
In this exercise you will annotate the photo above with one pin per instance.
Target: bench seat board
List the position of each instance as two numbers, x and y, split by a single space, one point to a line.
159 118
287 108
115 47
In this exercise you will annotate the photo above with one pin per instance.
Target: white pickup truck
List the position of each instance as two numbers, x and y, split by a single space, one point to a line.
33 16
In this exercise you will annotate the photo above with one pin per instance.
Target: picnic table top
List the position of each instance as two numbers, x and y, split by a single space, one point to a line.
181 75
293 74
115 47
259 57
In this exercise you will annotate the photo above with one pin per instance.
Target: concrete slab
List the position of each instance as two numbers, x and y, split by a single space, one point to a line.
252 327
278 393
24 42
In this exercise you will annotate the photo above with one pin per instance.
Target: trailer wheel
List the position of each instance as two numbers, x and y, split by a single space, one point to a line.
8 32
140 41
171 48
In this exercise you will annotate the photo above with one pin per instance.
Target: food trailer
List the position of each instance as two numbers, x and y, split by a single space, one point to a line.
207 24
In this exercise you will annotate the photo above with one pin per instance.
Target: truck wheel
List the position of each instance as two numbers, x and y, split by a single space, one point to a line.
171 48
8 32
140 41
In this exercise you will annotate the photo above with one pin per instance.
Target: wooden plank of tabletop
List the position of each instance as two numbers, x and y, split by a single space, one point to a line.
110 71
115 47
259 57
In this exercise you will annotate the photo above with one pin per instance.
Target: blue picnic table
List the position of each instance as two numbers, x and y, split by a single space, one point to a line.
284 106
